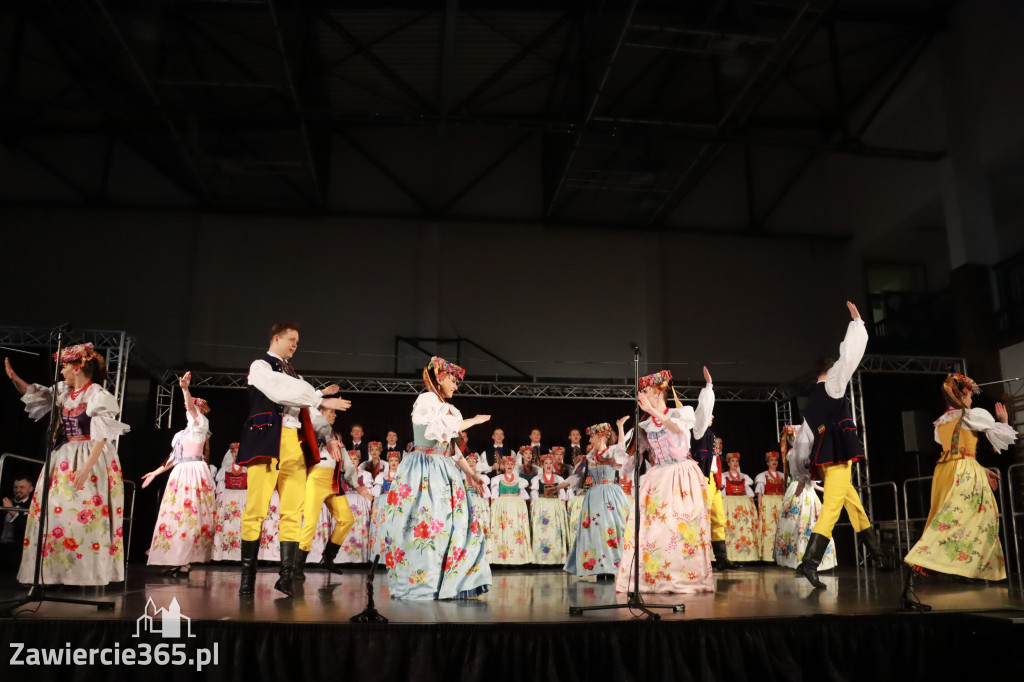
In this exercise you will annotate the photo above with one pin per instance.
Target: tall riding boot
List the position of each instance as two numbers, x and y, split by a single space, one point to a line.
327 560
808 568
284 582
722 562
299 569
250 550
883 561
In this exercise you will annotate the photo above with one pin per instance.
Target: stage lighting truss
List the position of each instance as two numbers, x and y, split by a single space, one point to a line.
116 347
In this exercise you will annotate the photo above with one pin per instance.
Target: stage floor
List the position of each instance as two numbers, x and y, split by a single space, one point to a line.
521 595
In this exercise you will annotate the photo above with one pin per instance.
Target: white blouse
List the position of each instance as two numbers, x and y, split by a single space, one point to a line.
291 392
535 489
1000 435
101 407
523 486
443 420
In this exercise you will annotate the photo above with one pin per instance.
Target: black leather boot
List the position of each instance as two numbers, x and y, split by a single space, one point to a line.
299 569
722 562
284 582
808 568
250 550
883 561
327 560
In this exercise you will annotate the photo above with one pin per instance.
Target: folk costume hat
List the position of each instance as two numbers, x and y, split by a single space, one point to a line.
956 385
659 380
604 429
440 365
79 353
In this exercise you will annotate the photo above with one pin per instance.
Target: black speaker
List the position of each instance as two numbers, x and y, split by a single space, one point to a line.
917 431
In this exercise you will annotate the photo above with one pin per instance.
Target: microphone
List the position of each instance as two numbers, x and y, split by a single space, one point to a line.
636 348
1000 381
63 327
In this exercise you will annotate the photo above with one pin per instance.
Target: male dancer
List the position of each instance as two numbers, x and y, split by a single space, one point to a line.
323 485
707 451
828 440
277 445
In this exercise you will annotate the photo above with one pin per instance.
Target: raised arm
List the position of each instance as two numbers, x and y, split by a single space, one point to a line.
281 388
705 406
190 406
851 351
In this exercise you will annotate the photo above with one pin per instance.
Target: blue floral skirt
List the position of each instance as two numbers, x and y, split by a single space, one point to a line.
434 548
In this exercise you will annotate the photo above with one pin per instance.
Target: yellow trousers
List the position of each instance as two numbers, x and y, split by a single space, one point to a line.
717 510
319 492
840 493
287 475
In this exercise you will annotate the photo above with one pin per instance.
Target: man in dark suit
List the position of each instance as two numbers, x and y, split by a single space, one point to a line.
575 448
490 457
390 445
358 442
12 535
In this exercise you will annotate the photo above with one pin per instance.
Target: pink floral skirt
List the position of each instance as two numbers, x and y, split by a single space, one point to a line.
185 524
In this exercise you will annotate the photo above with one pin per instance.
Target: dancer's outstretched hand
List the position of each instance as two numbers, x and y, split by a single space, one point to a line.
854 313
339 404
148 478
707 376
622 420
19 384
993 479
329 390
185 381
1001 414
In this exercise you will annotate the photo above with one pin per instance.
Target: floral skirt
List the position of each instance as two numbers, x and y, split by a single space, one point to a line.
375 539
573 508
83 538
356 549
796 523
270 548
550 525
675 533
962 534
742 528
509 538
227 531
435 547
482 516
771 509
598 546
185 524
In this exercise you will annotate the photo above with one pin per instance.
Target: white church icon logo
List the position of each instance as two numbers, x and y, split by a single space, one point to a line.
166 622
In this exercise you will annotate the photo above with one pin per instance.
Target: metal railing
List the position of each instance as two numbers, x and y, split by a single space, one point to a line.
126 520
896 511
1014 513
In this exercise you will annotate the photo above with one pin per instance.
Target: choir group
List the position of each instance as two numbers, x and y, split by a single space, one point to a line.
439 515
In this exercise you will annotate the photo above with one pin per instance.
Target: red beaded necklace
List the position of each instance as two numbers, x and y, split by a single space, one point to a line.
657 422
75 392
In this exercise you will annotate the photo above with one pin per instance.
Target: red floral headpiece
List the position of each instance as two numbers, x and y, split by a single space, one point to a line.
769 455
83 351
200 403
547 458
558 450
960 384
233 446
525 449
375 445
441 365
602 429
658 379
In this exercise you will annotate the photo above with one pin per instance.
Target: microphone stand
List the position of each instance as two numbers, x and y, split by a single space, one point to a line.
37 591
634 601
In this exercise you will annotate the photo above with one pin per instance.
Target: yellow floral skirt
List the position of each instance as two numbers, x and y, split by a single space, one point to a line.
962 534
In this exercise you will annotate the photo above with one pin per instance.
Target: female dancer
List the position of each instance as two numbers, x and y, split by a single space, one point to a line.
675 542
741 524
381 491
800 509
481 506
510 520
227 532
550 524
769 486
82 535
356 549
598 546
433 550
961 535
185 525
